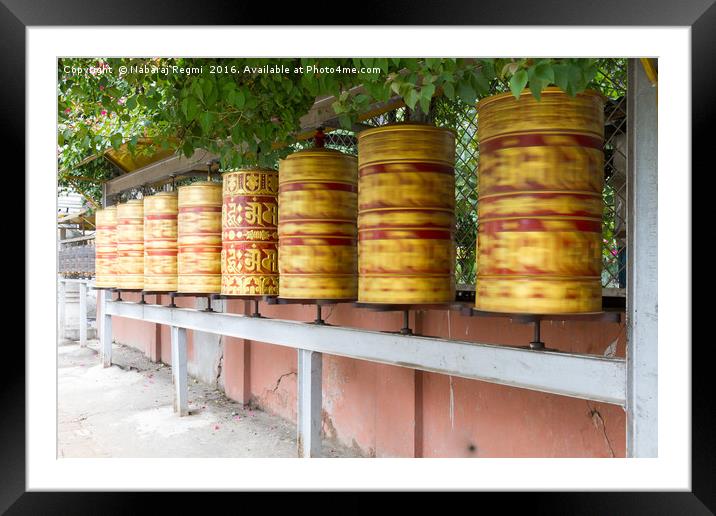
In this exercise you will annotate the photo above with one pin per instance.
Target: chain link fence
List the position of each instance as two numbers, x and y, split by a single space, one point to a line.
462 118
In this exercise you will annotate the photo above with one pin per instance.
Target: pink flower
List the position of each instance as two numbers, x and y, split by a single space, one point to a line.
121 101
104 111
68 111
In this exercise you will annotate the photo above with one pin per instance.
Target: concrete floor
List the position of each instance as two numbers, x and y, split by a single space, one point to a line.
126 411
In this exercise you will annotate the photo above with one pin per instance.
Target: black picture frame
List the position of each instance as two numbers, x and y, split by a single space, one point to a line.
700 15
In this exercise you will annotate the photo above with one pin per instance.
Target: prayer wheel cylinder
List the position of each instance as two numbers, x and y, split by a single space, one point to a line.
540 203
106 247
406 215
199 238
249 222
317 203
160 242
130 245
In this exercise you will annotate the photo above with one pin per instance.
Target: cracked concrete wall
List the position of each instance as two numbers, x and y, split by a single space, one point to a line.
206 350
384 410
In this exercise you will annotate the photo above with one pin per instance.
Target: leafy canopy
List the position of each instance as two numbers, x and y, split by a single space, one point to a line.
248 110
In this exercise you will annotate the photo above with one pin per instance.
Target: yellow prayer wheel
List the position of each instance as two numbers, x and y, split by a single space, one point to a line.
540 203
160 242
199 238
406 215
130 245
249 218
317 203
106 247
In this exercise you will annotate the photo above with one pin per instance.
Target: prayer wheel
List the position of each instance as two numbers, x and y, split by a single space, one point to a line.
130 245
160 242
540 203
406 214
249 218
317 203
199 238
106 247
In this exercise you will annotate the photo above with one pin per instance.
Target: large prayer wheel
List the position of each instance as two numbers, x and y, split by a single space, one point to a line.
317 204
130 245
406 214
160 242
249 218
540 203
199 238
106 247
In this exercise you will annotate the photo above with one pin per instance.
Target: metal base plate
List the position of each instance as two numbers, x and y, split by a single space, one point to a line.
321 302
604 316
402 308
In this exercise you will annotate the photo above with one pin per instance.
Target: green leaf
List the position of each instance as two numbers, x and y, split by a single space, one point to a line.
544 72
518 82
574 84
488 69
536 86
449 90
480 84
131 102
116 140
411 98
425 104
205 120
239 99
561 76
188 149
466 92
197 90
345 121
192 110
427 91
433 63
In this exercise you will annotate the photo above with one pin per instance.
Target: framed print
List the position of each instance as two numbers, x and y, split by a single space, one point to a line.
441 249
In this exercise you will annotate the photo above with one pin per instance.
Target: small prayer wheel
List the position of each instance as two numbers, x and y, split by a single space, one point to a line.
160 242
106 247
199 238
249 220
317 203
130 245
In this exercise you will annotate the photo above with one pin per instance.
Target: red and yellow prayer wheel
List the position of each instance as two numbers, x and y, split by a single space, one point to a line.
406 215
105 247
249 222
317 203
540 203
199 238
160 242
130 245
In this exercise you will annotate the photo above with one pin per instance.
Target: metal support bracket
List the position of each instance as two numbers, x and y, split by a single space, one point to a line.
310 371
179 371
83 314
106 339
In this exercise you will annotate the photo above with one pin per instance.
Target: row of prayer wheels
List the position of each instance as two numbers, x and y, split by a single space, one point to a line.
380 228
